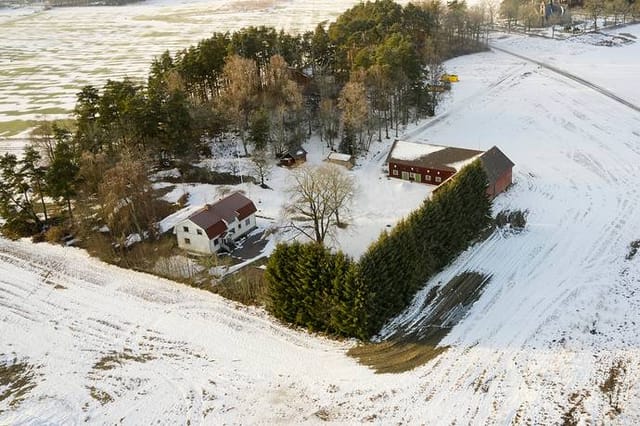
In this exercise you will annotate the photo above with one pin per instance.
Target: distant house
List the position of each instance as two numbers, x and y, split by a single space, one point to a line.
294 156
345 160
434 164
218 225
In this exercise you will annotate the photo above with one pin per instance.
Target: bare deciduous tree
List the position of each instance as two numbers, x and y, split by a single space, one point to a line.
354 106
240 92
320 196
262 165
126 197
284 100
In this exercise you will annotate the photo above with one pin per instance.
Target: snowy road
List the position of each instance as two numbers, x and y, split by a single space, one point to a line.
552 337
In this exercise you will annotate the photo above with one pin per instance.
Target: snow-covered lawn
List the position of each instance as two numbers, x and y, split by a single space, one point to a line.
561 310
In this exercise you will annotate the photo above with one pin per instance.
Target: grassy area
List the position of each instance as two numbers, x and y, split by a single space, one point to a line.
246 286
408 349
17 378
12 128
114 359
400 354
41 111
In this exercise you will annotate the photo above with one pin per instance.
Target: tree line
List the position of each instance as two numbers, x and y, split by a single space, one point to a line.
312 287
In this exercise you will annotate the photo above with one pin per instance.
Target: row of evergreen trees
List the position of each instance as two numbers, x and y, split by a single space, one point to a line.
314 288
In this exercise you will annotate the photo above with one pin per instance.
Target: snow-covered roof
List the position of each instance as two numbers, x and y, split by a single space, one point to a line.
337 156
436 156
458 165
410 151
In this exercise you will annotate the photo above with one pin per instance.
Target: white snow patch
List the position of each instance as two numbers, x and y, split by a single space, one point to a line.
338 156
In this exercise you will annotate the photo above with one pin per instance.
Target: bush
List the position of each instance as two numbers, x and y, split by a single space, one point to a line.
246 286
17 227
54 234
516 219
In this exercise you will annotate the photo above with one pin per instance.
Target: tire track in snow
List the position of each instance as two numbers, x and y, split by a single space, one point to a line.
573 77
445 115
583 208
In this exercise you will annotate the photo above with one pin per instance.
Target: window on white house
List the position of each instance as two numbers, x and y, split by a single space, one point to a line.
216 241
247 222
438 179
239 225
185 228
199 231
187 241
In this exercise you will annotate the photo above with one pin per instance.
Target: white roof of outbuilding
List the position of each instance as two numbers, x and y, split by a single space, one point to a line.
339 156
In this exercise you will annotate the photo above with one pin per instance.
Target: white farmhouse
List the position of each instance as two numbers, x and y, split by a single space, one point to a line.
217 225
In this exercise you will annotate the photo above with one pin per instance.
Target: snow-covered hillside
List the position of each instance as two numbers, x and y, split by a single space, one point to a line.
552 336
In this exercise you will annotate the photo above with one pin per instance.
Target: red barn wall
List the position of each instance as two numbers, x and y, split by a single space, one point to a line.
422 171
501 184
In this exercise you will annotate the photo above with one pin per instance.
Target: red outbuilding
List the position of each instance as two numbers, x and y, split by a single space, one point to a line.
434 164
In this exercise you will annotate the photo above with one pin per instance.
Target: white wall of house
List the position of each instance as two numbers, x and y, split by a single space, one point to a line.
243 227
193 238
215 244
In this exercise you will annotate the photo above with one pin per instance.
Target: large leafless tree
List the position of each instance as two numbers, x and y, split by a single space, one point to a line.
239 94
320 198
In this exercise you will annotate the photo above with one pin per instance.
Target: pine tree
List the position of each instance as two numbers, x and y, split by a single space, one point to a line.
35 174
62 174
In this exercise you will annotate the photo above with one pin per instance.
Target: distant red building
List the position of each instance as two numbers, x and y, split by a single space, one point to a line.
434 164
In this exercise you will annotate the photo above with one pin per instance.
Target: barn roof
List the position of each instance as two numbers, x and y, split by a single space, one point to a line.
431 156
214 218
495 163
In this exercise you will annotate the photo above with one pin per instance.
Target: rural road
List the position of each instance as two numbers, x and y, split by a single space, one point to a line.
573 77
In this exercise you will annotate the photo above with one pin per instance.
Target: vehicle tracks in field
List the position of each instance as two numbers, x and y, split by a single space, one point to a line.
573 77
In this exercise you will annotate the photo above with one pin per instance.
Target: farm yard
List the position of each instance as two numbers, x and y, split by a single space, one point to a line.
551 337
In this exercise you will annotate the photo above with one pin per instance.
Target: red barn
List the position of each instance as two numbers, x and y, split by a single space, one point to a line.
499 170
434 164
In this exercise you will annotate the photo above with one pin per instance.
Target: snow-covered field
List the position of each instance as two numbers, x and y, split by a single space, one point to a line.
46 57
563 306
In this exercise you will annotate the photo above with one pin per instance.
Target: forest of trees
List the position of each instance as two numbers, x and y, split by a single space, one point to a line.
357 79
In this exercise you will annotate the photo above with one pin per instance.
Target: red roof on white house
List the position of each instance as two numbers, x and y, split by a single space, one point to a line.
215 218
